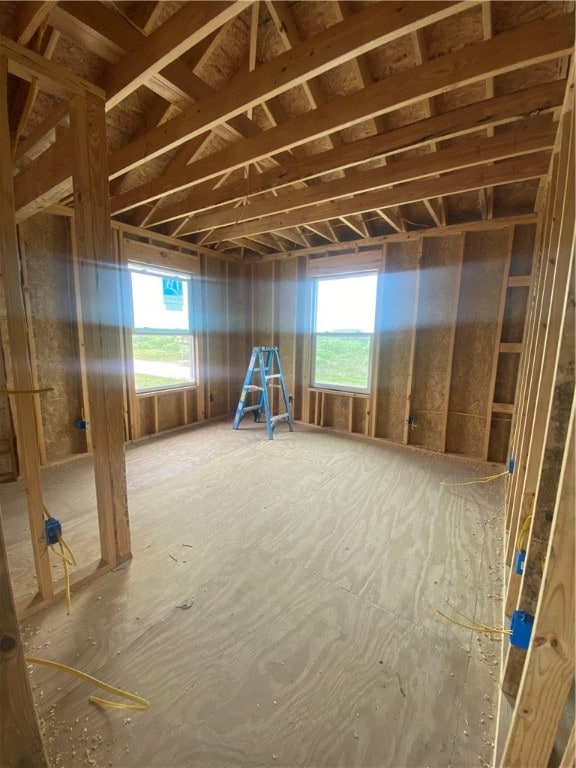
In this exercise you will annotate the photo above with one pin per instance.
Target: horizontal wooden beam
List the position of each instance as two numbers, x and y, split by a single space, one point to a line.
506 172
526 45
368 29
485 150
454 123
182 31
51 77
519 281
502 407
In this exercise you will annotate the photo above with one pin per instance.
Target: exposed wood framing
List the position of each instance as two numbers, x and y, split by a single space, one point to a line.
100 285
542 486
25 418
20 737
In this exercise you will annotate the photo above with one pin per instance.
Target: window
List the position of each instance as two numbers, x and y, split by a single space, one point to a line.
163 344
343 333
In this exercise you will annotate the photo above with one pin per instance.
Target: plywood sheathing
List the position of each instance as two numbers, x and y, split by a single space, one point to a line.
296 608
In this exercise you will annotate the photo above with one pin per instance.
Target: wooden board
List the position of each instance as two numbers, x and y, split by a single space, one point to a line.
20 737
477 337
262 305
52 303
285 320
395 338
522 250
514 314
336 412
437 307
215 325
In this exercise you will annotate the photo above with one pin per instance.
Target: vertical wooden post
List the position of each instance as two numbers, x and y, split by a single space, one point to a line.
100 291
25 421
80 332
20 737
412 357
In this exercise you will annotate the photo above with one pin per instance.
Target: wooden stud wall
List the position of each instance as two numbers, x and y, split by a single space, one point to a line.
536 684
449 337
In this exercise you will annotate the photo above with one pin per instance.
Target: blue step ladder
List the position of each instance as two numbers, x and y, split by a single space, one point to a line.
264 361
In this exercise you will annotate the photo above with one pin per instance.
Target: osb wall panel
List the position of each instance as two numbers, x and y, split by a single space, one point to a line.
396 299
336 411
522 250
285 319
499 438
440 323
359 415
514 314
506 377
437 305
216 349
263 304
239 346
52 302
477 335
146 415
170 411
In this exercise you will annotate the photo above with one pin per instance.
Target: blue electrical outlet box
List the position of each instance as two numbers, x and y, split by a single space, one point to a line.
519 561
52 530
521 627
511 465
82 424
411 419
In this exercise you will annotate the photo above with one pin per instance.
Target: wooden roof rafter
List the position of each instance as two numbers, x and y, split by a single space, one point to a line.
359 92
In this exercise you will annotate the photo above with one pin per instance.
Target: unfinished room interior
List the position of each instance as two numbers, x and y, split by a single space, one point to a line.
287 414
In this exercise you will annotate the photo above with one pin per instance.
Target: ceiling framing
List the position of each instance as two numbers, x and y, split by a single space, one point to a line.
256 128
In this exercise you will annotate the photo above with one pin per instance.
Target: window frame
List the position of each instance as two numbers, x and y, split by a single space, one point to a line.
314 384
189 277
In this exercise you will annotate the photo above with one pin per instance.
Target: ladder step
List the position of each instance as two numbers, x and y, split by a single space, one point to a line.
252 388
281 416
251 408
274 376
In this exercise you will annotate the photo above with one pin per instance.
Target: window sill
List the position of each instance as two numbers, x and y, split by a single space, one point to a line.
166 390
338 391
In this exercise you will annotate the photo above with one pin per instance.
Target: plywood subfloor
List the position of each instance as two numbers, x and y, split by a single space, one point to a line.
280 609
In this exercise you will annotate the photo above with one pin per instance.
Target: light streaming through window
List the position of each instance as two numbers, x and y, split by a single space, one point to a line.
343 334
162 334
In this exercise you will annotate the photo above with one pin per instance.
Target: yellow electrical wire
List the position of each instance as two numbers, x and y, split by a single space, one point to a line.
474 625
140 703
523 532
456 413
486 479
471 619
67 560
